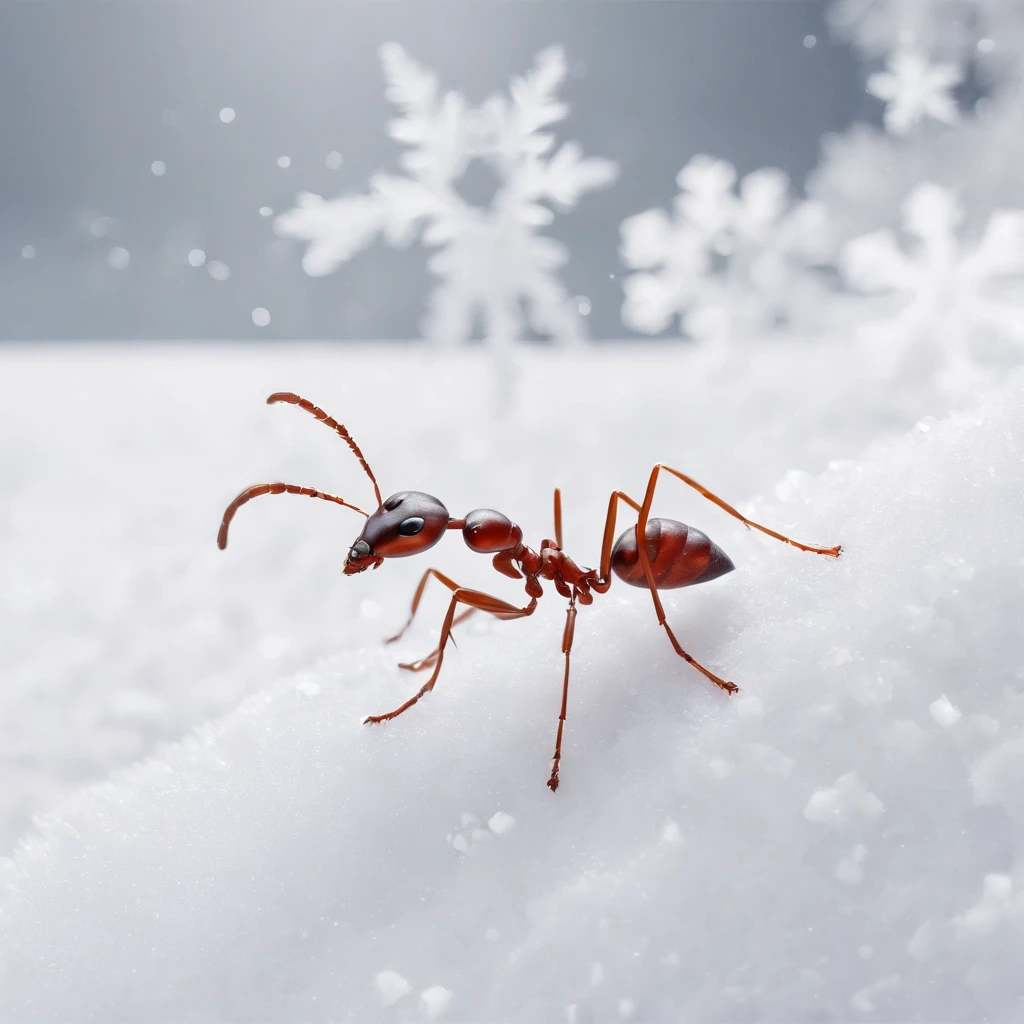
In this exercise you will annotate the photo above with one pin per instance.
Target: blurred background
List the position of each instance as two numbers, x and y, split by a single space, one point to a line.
136 134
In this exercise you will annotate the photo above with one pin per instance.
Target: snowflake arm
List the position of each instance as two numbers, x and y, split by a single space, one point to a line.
914 89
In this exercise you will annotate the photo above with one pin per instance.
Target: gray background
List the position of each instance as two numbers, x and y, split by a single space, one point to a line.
91 93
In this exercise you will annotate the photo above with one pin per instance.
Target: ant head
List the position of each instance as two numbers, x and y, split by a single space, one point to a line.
406 524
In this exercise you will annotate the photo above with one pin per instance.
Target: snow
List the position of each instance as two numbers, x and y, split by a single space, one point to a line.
824 846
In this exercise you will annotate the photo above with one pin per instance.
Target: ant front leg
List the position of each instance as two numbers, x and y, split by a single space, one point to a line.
476 601
423 663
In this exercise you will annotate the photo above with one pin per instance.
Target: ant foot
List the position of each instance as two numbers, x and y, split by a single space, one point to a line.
553 782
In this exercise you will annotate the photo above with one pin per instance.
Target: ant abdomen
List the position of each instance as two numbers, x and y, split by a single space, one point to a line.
488 531
680 556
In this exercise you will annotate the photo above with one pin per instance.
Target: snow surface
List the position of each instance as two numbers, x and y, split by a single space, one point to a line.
841 841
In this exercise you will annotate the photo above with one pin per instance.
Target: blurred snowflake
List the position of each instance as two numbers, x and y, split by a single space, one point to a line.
727 262
914 89
951 296
491 260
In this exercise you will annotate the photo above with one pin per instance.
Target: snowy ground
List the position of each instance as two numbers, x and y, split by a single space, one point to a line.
840 841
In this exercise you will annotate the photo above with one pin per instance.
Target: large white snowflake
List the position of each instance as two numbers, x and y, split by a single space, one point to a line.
491 260
726 261
913 88
949 295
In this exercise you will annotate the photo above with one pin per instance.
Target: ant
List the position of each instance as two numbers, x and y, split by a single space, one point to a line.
409 522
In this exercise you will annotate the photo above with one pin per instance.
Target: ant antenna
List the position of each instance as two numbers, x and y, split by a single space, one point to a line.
305 403
254 492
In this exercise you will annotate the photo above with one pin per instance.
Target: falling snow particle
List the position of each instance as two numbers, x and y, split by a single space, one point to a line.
391 986
119 257
196 257
583 305
260 316
626 1008
596 973
218 271
810 42
986 45
266 211
334 160
944 712
158 167
284 161
435 1000
100 226
227 114
500 823
28 252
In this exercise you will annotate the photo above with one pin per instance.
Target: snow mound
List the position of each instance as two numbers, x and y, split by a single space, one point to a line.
834 844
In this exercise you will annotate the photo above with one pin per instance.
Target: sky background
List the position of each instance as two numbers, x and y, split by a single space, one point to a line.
92 93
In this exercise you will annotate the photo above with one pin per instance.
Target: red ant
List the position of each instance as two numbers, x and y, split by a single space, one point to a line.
675 555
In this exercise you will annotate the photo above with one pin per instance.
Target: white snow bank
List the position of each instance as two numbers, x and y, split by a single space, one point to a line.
819 848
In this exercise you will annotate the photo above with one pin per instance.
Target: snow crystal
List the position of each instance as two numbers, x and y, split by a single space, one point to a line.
488 259
284 162
227 114
119 257
391 986
196 257
500 823
266 211
218 270
725 263
672 834
158 167
260 316
834 805
435 1000
943 712
28 252
950 306
334 160
914 89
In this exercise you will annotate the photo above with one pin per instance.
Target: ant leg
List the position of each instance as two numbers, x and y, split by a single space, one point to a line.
606 561
476 600
725 506
567 638
422 663
450 584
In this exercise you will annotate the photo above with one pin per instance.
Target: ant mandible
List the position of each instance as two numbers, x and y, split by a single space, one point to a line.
409 522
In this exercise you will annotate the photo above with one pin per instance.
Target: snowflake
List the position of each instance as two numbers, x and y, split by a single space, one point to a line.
727 261
490 259
950 292
914 89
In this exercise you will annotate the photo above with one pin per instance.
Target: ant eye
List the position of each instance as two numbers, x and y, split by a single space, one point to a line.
411 527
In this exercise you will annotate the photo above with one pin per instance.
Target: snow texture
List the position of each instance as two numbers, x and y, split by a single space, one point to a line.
820 848
490 260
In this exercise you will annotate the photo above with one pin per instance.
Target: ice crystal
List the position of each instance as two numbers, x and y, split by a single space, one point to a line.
725 261
913 89
491 260
950 289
